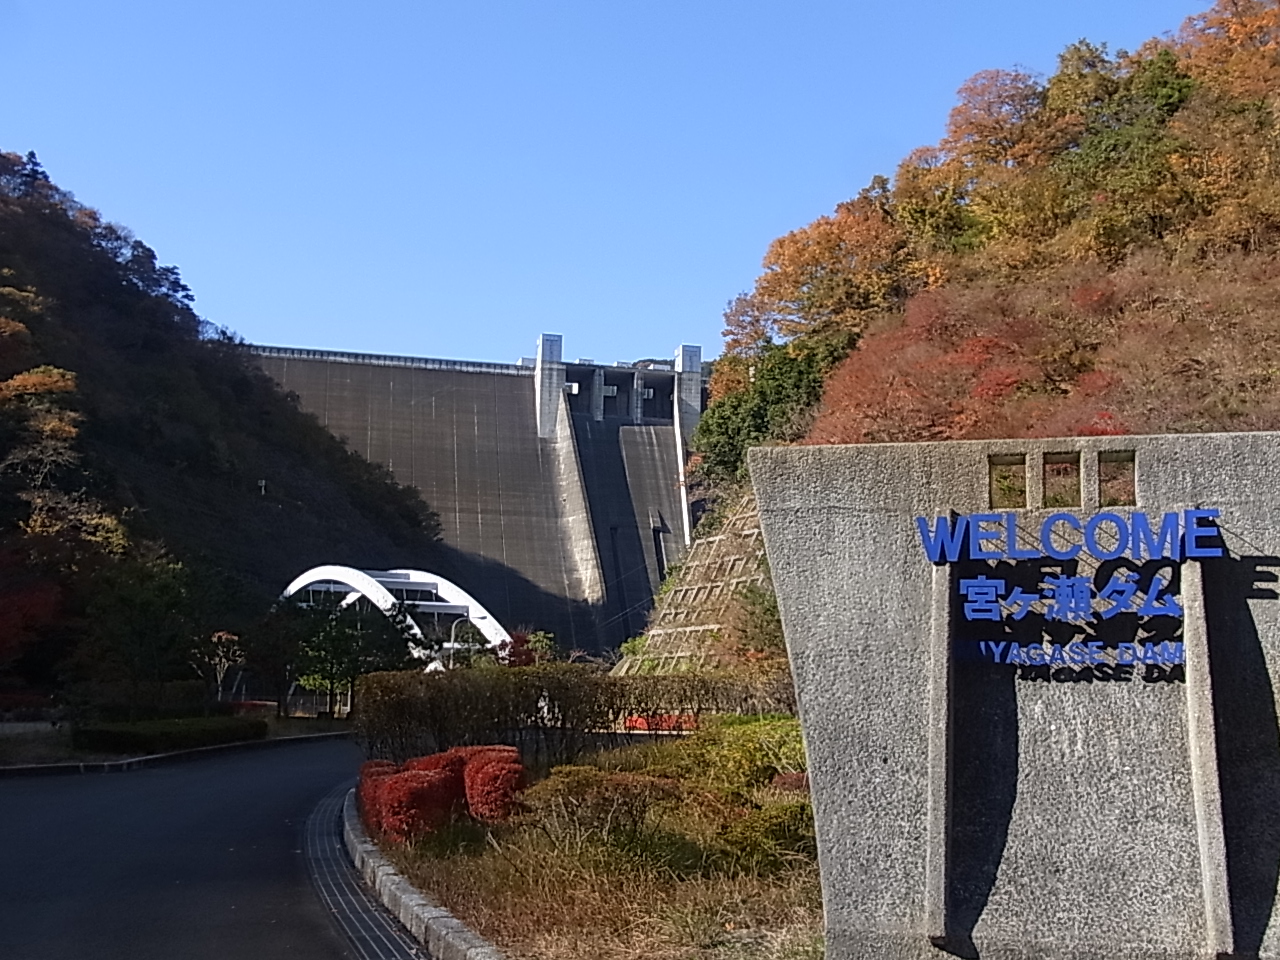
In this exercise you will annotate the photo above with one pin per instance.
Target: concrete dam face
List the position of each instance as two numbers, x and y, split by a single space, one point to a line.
559 486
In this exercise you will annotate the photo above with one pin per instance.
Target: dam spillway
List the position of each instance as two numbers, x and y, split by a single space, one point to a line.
559 486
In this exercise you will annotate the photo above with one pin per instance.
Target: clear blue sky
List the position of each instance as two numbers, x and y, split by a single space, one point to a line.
452 179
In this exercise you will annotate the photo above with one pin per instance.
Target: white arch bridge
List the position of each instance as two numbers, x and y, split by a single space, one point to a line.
389 589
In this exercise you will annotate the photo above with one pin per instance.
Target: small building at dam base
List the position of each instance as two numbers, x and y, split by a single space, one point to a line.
559 485
1038 684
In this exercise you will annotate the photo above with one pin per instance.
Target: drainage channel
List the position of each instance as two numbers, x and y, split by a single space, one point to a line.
373 933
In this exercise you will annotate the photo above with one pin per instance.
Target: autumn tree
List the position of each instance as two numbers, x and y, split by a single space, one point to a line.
829 275
1235 47
785 380
994 123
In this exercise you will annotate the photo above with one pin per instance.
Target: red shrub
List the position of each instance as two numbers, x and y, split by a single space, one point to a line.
436 761
416 802
21 700
663 722
243 708
450 765
493 783
369 766
469 753
405 802
368 791
491 796
792 781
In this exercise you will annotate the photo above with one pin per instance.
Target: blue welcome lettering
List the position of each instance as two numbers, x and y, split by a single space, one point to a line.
1193 533
1012 549
942 538
1146 543
1046 536
978 536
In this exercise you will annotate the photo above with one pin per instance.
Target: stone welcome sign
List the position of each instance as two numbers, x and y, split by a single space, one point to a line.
1036 684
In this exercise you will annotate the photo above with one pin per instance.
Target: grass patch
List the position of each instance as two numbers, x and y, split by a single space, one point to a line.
645 852
46 746
162 736
56 745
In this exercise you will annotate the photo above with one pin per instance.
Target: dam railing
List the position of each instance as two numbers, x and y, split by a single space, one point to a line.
389 360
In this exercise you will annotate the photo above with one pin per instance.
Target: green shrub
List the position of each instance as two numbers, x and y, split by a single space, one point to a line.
737 753
120 702
578 804
584 809
635 646
162 736
764 839
663 757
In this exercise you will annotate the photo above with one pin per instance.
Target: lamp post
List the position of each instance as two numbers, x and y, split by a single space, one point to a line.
453 633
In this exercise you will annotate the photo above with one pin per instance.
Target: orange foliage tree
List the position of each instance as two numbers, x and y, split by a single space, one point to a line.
1008 281
830 273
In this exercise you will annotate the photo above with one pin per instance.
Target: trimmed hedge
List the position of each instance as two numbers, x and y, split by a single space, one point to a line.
162 736
111 703
492 778
416 802
407 802
369 790
553 711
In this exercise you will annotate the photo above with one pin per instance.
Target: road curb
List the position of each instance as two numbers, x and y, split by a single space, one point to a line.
159 759
443 934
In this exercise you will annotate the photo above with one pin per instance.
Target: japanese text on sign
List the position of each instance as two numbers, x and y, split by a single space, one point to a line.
1068 599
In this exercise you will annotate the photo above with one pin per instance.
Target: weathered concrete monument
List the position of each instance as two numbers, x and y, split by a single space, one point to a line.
1037 685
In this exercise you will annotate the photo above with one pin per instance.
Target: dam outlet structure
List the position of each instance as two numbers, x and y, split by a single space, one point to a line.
560 486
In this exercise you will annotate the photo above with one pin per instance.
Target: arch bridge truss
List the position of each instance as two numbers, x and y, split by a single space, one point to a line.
389 589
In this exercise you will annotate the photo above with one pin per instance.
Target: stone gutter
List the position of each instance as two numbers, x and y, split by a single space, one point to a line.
443 934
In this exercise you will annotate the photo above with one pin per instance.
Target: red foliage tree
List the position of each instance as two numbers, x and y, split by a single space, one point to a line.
955 369
29 601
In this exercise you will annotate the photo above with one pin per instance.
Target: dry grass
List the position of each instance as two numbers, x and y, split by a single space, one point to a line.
674 850
536 903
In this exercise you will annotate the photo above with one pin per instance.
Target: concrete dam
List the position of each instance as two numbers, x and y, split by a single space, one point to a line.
560 486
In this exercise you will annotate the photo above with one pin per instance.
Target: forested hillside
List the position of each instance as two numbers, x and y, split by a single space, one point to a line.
150 474
1095 252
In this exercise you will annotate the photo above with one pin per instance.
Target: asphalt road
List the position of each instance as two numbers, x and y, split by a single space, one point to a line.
193 861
